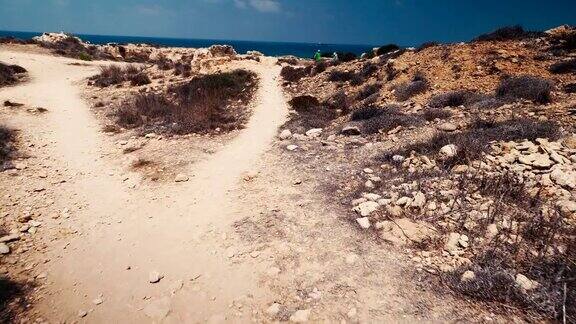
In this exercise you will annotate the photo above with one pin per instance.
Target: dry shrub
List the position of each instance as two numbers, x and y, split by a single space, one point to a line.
7 139
9 73
489 103
390 118
476 140
340 76
406 90
426 45
368 69
338 101
433 114
114 75
531 247
386 49
366 113
563 67
310 113
368 90
205 103
507 33
293 74
346 56
303 103
14 300
455 99
570 88
527 87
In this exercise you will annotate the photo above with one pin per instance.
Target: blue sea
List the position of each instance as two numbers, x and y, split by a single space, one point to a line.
305 50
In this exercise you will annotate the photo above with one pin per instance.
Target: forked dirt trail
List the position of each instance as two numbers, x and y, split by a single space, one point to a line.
178 231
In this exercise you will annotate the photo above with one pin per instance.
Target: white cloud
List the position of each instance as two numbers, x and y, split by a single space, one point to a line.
260 5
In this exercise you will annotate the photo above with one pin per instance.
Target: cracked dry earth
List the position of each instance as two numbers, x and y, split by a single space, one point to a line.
249 238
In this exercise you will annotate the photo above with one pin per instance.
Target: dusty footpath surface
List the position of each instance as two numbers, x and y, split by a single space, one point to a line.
247 238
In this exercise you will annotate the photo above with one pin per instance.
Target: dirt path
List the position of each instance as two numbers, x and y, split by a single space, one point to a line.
178 231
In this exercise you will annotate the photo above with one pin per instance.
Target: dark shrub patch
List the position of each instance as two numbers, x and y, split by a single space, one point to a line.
476 140
455 99
113 75
346 56
13 300
201 105
564 67
489 103
310 113
387 49
506 33
293 74
17 69
570 88
367 113
368 90
9 73
304 103
425 46
318 68
432 114
7 138
139 79
525 87
339 100
109 75
368 69
407 90
391 118
340 76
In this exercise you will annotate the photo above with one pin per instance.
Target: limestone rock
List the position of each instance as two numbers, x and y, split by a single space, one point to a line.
366 208
364 222
300 316
285 134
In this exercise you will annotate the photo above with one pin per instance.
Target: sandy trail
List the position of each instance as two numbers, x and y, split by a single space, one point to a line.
178 230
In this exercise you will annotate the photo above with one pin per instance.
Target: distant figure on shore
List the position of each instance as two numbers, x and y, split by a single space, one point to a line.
335 57
318 56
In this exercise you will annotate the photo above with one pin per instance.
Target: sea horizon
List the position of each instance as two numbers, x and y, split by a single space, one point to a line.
269 48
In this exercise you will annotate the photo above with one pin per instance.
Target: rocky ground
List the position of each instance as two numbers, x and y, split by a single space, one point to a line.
475 187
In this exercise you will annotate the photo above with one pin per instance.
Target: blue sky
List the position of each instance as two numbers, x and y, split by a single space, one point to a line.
406 22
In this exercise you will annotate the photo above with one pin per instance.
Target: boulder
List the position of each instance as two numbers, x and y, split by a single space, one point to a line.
447 127
285 134
448 151
366 208
364 222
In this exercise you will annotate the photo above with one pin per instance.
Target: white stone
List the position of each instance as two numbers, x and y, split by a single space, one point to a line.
300 316
314 132
366 208
291 147
364 222
155 277
467 276
285 134
448 151
181 178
